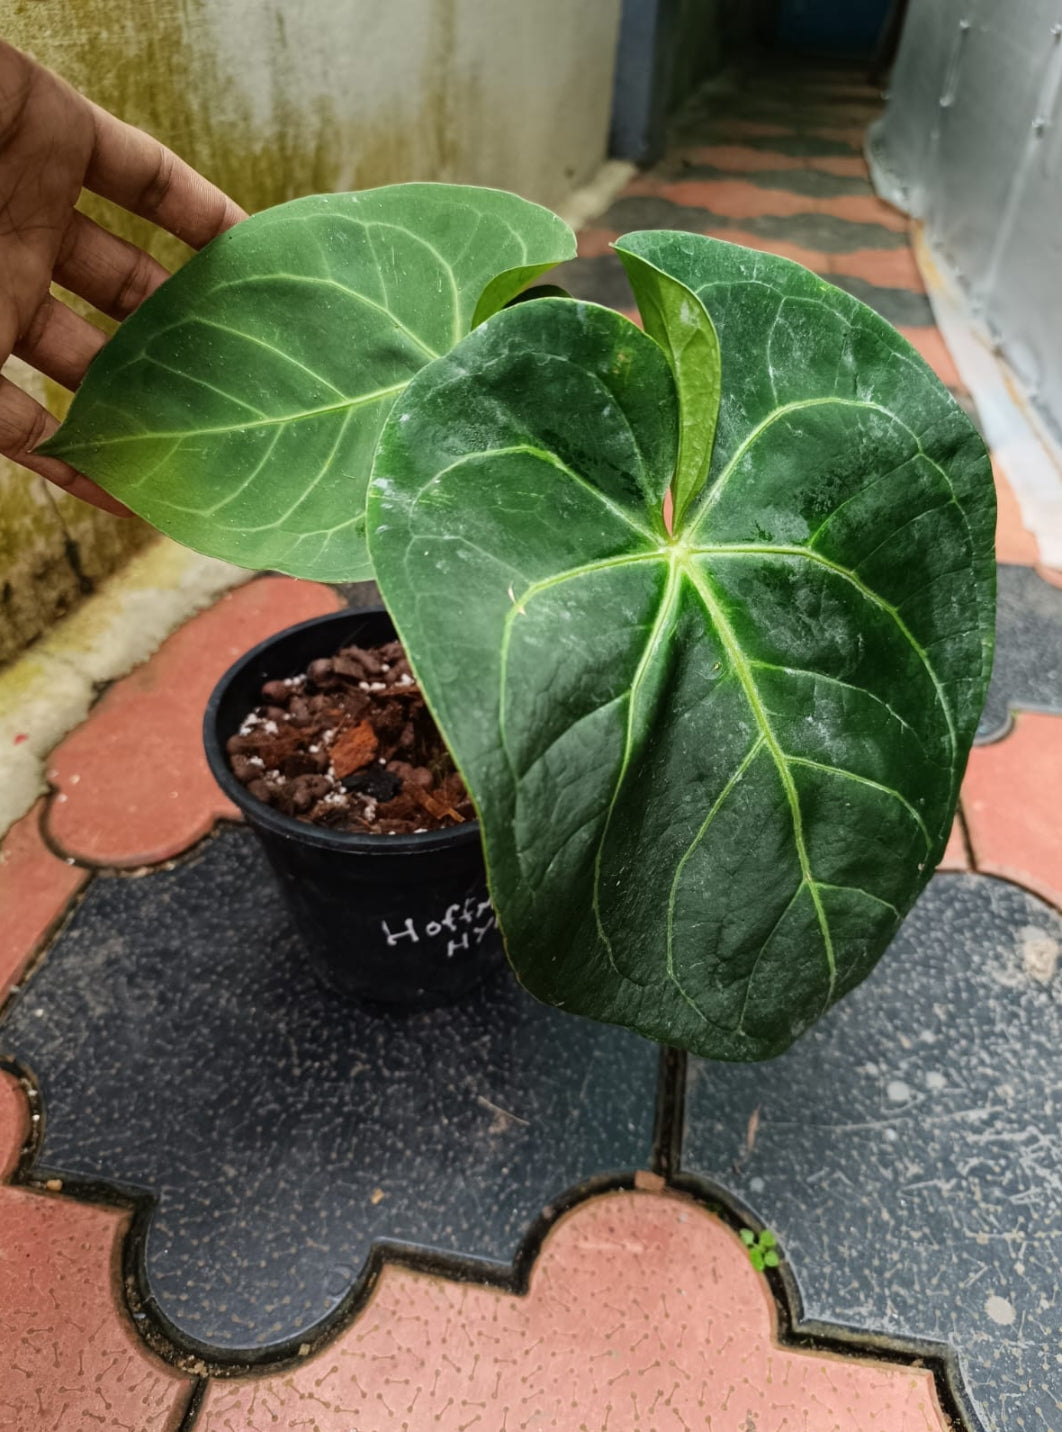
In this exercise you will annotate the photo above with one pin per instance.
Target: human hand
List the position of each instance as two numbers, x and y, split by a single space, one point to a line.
53 144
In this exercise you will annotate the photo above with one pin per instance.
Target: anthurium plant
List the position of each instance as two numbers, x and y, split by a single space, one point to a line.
715 755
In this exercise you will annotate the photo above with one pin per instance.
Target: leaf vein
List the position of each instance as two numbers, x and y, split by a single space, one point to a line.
269 347
740 1026
316 280
361 401
657 635
847 686
866 781
717 804
742 671
755 550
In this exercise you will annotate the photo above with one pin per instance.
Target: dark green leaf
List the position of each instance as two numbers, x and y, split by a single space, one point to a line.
238 408
803 361
713 771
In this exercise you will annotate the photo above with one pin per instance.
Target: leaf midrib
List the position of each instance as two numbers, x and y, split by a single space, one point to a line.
346 406
700 584
661 623
714 493
672 551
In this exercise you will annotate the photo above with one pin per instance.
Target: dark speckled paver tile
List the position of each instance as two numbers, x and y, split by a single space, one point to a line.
824 232
814 183
1028 664
908 1150
801 145
601 279
183 1049
809 115
900 306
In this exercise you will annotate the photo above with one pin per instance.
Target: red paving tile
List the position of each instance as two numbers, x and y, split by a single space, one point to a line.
736 128
133 783
69 1361
643 1312
932 348
755 128
889 268
743 159
1012 799
1014 541
956 856
738 199
595 242
846 166
35 888
14 1125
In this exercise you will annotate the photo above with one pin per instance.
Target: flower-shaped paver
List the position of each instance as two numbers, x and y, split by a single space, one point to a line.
907 1150
643 1312
183 1048
133 786
69 1359
35 889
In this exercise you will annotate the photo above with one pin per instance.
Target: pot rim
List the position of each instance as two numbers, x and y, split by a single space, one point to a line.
258 813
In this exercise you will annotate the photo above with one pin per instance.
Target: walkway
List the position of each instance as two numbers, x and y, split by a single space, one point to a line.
231 1206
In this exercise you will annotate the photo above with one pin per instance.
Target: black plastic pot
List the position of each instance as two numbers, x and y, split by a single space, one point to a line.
387 919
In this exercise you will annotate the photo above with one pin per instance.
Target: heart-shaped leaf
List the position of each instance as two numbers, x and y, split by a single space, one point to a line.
714 769
238 408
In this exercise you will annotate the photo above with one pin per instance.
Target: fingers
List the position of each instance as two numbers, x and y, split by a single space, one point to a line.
24 424
132 169
112 274
54 143
59 343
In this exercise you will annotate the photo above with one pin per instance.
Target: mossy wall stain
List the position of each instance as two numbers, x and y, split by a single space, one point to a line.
272 99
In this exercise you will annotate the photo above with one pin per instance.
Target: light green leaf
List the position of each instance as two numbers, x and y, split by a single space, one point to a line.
713 770
238 409
677 319
506 289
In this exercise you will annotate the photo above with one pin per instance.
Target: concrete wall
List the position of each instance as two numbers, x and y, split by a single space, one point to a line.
971 142
53 549
276 98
